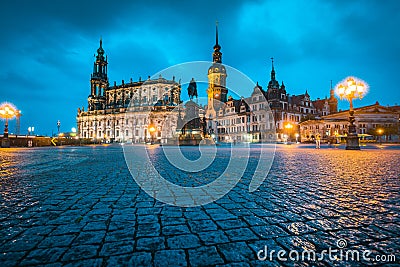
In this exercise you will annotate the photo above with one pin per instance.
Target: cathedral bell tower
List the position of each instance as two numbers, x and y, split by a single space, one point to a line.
273 92
98 81
216 81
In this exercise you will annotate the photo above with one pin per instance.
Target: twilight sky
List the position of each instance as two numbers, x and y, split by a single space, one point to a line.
47 47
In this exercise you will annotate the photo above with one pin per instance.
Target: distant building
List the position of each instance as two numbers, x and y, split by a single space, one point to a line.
368 120
266 114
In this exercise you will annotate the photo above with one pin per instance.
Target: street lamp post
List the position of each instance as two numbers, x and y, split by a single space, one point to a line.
152 129
350 89
31 129
289 127
7 111
380 132
58 127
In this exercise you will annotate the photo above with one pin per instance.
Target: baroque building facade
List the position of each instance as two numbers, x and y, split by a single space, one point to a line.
368 120
127 112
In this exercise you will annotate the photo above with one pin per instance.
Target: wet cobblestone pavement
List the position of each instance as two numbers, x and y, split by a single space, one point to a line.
80 207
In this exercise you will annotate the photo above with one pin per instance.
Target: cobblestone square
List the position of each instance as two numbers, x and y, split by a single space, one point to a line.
79 206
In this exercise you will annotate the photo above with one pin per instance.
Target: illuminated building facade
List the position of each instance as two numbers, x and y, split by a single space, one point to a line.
125 112
368 120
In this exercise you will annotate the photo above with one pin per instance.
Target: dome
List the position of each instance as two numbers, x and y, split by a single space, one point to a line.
217 68
100 50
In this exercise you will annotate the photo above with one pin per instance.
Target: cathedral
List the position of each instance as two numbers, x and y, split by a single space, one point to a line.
144 110
134 111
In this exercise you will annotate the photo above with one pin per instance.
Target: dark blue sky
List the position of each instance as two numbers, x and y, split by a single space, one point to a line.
47 47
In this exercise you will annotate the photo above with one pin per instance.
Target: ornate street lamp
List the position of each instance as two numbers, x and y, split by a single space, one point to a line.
7 111
350 89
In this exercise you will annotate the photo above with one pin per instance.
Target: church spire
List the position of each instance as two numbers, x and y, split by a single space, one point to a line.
100 64
273 70
217 55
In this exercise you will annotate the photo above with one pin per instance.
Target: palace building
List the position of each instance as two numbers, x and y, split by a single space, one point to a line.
368 120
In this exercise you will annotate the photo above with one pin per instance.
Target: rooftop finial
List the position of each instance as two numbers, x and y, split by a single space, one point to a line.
272 59
216 32
101 41
273 70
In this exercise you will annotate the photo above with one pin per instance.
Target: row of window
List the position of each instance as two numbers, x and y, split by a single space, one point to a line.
117 122
107 134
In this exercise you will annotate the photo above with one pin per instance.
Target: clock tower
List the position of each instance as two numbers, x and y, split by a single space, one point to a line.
216 91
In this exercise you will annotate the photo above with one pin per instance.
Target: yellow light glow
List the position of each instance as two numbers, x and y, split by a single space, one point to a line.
360 87
288 126
7 111
351 88
350 81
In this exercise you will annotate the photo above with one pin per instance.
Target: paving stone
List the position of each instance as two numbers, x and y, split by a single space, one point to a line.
22 243
241 234
90 262
148 229
90 237
150 243
133 259
204 256
296 243
231 224
12 257
299 228
196 215
170 258
121 225
119 235
38 256
253 220
202 225
67 229
94 226
116 248
175 229
147 219
57 241
213 237
269 231
80 252
236 252
172 220
183 241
